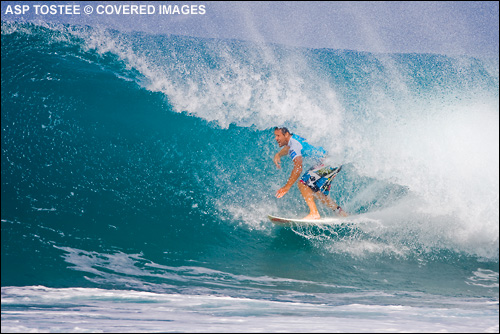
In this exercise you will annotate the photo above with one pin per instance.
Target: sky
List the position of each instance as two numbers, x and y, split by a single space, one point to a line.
444 27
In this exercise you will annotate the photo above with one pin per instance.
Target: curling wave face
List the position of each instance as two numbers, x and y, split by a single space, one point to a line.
143 161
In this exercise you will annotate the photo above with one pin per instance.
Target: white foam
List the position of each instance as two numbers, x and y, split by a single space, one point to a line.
97 310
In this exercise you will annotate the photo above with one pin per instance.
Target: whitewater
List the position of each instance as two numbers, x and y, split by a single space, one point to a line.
137 177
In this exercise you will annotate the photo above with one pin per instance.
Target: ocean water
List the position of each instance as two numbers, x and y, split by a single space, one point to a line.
137 175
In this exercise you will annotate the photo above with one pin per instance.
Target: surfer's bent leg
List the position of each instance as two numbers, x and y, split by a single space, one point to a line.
317 182
330 203
308 195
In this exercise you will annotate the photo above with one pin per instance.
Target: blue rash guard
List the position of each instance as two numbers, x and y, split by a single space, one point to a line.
300 147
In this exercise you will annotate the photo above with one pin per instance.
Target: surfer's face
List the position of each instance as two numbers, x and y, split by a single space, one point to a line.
280 138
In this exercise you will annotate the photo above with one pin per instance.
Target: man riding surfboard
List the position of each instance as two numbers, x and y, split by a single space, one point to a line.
316 182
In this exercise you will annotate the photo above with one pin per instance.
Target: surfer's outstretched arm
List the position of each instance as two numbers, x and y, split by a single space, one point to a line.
297 170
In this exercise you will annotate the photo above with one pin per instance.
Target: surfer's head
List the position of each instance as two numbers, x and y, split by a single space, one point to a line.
282 136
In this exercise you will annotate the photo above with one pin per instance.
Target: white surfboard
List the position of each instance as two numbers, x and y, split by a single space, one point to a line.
304 222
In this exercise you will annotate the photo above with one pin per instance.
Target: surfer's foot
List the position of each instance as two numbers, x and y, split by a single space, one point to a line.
341 212
312 216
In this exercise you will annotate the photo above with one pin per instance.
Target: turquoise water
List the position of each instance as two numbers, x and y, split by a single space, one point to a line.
137 175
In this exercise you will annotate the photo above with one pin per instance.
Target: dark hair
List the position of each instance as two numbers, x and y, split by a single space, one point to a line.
283 129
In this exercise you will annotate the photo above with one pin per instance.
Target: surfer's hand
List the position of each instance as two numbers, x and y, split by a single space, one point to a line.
277 161
281 192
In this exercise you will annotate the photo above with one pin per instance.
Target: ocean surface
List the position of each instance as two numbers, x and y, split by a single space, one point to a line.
137 176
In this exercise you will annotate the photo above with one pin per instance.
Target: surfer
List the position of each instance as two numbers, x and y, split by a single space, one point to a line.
316 182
